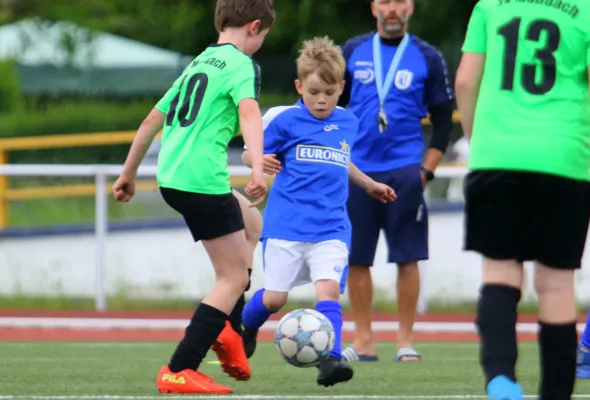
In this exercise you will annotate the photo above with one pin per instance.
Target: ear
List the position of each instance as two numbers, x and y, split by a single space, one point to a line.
254 27
411 8
373 9
299 86
341 87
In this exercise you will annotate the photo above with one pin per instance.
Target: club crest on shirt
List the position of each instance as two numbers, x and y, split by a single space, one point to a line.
403 79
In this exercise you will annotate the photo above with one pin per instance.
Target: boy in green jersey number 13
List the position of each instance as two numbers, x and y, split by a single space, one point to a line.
204 109
522 93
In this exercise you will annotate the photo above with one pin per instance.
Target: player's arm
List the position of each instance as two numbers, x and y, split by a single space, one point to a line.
470 71
244 89
467 86
440 100
146 133
124 187
276 137
380 191
252 131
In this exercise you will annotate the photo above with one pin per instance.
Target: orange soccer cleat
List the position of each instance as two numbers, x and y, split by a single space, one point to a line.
232 356
188 381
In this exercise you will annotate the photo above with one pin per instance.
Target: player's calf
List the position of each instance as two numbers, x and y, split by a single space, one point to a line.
332 370
496 322
257 311
557 334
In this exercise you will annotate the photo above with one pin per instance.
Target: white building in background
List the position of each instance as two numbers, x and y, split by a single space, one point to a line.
36 42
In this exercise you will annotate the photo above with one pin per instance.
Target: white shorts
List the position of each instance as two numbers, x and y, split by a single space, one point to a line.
288 264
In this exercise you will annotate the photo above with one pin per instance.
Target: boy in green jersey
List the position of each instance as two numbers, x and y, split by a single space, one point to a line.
204 109
522 92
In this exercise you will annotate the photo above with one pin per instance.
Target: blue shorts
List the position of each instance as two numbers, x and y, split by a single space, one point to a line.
405 221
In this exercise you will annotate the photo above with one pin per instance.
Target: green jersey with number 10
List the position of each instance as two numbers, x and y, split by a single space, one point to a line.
533 110
202 118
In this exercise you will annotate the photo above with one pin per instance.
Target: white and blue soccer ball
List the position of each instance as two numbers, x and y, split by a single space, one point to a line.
304 338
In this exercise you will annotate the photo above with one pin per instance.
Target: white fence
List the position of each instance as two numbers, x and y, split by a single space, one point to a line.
101 173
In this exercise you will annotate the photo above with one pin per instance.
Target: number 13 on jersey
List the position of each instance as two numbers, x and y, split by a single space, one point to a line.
537 76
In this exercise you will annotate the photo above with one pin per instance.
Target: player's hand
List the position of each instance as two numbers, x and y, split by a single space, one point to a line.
124 188
423 179
272 166
256 188
381 192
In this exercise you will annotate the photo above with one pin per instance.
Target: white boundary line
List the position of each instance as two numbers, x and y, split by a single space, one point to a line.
256 397
180 324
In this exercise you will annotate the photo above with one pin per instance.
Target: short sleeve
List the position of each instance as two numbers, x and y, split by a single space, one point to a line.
245 82
476 37
164 103
275 135
438 84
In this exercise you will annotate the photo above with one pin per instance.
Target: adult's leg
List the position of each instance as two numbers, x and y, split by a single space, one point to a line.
365 215
406 230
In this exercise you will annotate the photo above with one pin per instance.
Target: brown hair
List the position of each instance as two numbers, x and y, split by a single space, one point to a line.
237 13
320 55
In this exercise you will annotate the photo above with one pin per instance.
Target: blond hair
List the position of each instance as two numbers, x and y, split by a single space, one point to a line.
321 56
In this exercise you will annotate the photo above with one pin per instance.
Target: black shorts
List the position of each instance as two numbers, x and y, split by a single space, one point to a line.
207 216
527 216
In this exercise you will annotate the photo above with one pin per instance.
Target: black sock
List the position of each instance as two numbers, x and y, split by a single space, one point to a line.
235 317
558 352
496 322
206 324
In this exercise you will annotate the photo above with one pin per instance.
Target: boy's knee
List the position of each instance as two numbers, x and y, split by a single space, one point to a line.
327 289
552 280
274 300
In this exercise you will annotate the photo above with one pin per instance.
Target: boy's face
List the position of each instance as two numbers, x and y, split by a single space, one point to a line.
255 37
319 97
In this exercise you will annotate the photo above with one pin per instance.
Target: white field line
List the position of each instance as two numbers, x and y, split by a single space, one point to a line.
180 324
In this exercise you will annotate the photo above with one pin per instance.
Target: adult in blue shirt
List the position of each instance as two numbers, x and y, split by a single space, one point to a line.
393 80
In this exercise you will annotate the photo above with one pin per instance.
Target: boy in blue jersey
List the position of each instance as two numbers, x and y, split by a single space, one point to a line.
306 230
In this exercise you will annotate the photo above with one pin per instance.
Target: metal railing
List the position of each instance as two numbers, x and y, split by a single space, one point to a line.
101 173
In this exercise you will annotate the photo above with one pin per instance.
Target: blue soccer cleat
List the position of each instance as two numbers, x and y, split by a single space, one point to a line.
583 365
502 388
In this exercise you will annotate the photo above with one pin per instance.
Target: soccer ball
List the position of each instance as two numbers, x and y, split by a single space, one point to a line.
304 338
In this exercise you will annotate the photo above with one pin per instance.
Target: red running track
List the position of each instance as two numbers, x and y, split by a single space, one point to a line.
62 334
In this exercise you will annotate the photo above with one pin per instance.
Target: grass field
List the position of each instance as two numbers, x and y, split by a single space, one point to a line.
127 370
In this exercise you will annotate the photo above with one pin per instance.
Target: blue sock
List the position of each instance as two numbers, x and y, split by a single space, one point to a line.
333 311
586 334
255 312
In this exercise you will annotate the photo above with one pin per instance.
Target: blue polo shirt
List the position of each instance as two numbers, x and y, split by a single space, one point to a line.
421 81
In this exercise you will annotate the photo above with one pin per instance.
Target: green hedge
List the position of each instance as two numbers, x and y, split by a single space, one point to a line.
11 98
83 117
71 118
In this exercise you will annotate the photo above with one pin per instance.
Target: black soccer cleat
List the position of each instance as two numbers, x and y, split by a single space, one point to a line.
249 338
333 371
